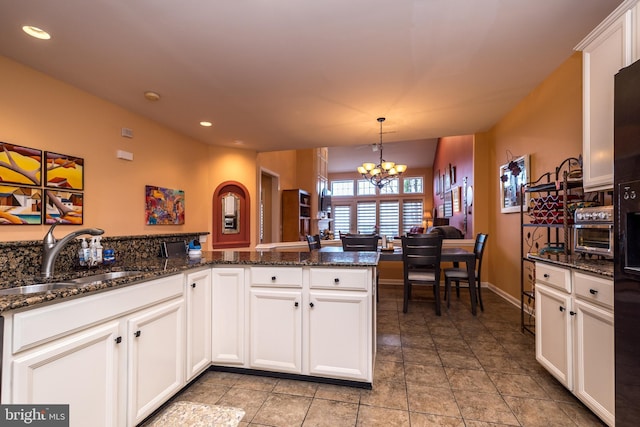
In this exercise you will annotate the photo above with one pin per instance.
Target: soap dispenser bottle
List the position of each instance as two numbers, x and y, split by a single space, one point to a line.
98 250
92 252
83 252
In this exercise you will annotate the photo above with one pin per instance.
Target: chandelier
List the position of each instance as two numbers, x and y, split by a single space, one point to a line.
384 172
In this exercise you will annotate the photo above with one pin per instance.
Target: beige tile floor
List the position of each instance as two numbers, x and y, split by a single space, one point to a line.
453 370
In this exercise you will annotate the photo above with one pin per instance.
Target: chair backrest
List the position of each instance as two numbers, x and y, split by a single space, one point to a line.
313 241
354 243
478 249
422 251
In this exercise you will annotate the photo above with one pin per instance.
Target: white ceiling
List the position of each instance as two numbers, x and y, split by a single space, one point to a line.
288 74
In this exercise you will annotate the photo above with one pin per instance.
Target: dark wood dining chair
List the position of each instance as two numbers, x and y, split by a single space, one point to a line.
421 256
368 243
352 243
458 275
313 241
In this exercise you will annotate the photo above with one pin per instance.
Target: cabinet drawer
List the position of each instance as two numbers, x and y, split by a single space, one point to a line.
592 288
276 276
559 278
339 278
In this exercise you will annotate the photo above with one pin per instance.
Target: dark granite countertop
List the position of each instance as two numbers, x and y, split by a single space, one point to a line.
600 267
160 267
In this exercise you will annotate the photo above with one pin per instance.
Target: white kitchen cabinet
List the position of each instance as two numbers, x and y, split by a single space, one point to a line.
276 330
81 370
198 301
594 344
606 50
228 316
339 335
53 352
595 359
575 335
554 331
155 358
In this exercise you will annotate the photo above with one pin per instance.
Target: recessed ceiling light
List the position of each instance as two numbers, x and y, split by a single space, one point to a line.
36 32
206 124
152 96
238 142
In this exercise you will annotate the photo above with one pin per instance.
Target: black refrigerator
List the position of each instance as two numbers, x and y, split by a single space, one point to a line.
626 198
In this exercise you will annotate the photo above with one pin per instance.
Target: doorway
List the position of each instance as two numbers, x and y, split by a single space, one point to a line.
269 210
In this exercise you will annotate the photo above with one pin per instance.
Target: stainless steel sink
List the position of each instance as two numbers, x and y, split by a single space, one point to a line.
104 276
33 289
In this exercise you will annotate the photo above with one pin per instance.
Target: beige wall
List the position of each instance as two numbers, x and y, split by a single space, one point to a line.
40 112
547 125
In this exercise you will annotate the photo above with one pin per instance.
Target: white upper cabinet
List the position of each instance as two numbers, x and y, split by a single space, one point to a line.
605 51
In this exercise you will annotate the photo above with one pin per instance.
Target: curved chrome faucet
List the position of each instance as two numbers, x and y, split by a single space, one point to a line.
52 247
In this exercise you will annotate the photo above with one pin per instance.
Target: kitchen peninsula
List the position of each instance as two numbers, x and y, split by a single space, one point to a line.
278 313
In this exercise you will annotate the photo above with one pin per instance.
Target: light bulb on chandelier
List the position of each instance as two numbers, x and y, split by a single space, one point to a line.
384 172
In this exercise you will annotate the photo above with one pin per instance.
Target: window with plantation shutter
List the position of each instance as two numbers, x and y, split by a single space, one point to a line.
341 219
366 217
411 214
389 218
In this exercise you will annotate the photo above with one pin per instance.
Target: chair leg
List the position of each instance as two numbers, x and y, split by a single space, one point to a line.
436 291
405 305
458 288
377 287
479 293
447 292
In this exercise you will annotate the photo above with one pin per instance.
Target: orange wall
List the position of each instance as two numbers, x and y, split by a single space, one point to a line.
547 125
40 112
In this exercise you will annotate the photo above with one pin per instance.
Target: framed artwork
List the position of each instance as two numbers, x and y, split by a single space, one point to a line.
441 194
455 198
453 174
64 206
447 179
512 176
64 171
20 205
164 206
20 165
437 183
440 211
448 204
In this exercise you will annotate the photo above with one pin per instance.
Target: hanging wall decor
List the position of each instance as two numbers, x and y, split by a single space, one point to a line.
20 205
164 206
20 165
64 207
64 171
511 177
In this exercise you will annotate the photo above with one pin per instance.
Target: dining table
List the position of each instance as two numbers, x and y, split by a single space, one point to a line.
448 254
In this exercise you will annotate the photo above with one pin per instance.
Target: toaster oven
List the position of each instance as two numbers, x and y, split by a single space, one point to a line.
593 231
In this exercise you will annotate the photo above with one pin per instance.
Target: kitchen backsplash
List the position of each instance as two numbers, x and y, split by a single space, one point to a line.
25 257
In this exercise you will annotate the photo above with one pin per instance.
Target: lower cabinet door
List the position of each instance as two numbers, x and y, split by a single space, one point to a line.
554 333
198 299
87 361
595 359
276 330
340 330
228 316
156 347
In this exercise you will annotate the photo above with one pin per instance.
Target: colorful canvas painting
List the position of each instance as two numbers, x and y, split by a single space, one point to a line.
63 206
20 205
20 165
164 206
64 171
